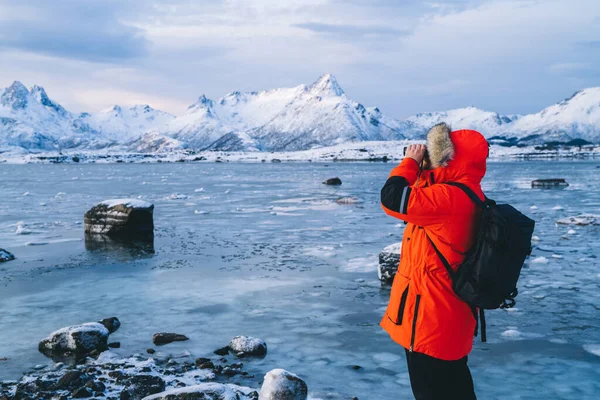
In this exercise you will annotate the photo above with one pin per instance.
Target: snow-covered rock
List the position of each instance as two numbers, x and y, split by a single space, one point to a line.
206 391
549 183
120 217
389 258
583 219
248 346
75 340
280 384
6 256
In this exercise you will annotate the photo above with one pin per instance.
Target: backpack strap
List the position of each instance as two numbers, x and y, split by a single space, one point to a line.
469 192
442 258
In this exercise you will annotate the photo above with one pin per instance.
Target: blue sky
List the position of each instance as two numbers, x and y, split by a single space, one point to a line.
510 56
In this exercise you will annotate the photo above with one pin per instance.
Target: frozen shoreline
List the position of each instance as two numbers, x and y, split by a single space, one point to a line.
348 152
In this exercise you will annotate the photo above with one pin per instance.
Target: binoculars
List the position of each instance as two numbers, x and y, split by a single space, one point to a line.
426 153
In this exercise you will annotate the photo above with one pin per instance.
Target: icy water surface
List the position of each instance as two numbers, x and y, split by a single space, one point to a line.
264 250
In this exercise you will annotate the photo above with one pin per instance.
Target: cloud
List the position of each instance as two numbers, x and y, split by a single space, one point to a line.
352 31
511 56
92 31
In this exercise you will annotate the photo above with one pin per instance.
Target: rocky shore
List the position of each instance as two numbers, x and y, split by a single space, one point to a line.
83 367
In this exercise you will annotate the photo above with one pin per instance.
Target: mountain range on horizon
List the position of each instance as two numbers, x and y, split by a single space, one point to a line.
285 119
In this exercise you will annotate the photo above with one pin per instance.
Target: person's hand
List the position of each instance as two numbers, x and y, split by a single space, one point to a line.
416 152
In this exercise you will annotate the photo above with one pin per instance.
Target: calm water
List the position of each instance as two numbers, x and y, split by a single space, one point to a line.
264 250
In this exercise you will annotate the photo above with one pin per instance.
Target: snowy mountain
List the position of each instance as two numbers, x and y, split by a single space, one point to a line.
282 119
124 124
577 117
486 122
297 118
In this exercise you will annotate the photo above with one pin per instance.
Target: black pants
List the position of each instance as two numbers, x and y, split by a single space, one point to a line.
434 379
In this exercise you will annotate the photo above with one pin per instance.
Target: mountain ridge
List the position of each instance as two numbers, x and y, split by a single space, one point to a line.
284 119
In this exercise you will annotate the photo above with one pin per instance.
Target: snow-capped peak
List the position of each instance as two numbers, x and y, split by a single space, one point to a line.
15 96
203 102
326 85
40 95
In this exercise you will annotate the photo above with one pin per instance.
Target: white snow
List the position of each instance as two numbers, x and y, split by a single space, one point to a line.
511 333
583 219
592 349
131 203
539 260
247 344
280 384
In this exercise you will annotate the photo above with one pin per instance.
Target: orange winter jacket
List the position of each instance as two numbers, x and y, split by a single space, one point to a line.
424 314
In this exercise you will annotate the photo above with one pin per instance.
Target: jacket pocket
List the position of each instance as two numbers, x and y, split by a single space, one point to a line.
400 310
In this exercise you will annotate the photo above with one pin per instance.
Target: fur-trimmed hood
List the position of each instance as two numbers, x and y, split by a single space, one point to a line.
456 155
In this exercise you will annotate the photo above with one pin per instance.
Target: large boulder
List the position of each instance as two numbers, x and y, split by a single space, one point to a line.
549 183
207 391
248 346
120 217
6 256
76 340
280 384
389 258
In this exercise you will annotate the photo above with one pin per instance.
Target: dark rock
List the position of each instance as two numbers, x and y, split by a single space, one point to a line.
122 217
112 324
276 160
72 379
140 386
114 345
150 351
333 181
206 391
166 338
204 363
82 393
6 256
549 183
96 386
223 351
389 258
356 367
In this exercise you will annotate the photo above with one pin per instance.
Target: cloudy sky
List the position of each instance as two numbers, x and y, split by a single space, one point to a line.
405 56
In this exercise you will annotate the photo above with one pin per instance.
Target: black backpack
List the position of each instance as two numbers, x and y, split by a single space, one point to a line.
487 278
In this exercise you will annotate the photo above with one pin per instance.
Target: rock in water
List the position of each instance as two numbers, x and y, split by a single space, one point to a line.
333 181
583 219
207 391
76 340
112 324
348 200
549 183
6 256
120 217
280 384
248 346
166 338
389 258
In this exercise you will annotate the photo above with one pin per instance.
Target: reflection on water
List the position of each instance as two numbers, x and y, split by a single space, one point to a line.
123 248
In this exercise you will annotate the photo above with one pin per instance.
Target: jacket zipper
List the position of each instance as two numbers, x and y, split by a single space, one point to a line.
400 315
414 324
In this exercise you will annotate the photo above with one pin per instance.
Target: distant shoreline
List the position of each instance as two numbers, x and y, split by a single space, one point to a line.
390 151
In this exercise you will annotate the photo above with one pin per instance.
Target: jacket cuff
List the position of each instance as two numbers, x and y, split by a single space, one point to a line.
408 169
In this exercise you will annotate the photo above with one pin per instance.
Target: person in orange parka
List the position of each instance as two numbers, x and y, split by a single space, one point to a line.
424 315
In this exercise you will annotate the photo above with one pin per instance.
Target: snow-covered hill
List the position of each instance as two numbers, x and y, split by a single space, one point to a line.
286 119
577 117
